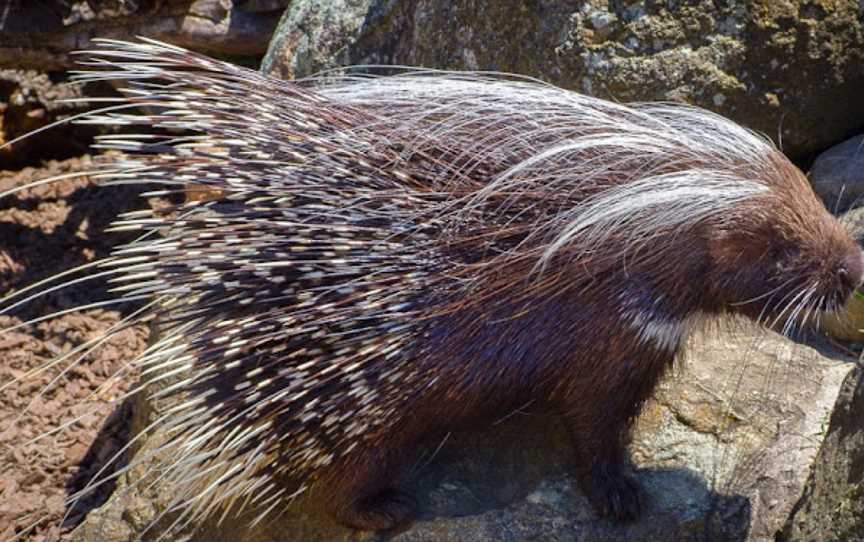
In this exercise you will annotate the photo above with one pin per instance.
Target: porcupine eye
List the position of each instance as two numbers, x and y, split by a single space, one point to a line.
780 259
786 258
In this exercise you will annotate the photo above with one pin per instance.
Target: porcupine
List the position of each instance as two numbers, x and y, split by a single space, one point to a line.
378 260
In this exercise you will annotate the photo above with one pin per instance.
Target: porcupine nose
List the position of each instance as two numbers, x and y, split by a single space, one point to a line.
851 270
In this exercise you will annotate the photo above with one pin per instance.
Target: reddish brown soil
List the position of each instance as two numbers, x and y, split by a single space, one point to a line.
45 230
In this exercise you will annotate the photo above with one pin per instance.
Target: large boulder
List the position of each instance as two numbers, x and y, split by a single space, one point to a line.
788 69
832 507
837 175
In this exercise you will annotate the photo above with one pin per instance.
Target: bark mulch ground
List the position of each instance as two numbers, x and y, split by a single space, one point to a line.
45 230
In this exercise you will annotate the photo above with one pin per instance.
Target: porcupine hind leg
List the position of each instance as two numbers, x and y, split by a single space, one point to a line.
362 493
599 422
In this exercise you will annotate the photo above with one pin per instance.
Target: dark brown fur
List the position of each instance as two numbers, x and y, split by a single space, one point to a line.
572 355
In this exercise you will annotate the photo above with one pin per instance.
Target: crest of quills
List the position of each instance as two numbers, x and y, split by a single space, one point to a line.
374 261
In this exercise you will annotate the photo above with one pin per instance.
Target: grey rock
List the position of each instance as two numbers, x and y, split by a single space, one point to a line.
313 35
837 175
723 451
832 507
788 69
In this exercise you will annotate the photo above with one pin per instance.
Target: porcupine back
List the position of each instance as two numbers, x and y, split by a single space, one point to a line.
344 215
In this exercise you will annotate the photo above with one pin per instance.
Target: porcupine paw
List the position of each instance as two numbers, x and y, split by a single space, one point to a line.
614 494
379 512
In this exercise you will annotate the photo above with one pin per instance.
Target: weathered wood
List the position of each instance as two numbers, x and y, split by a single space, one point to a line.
42 35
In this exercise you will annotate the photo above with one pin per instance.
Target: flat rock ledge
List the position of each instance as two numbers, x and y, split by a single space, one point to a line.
754 437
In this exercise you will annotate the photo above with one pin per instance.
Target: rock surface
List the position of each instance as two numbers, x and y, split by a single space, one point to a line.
832 507
788 69
837 174
724 453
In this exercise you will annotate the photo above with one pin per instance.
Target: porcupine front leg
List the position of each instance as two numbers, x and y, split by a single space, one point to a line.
362 493
601 467
599 422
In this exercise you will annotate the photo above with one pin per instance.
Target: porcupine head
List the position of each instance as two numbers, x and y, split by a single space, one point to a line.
380 260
